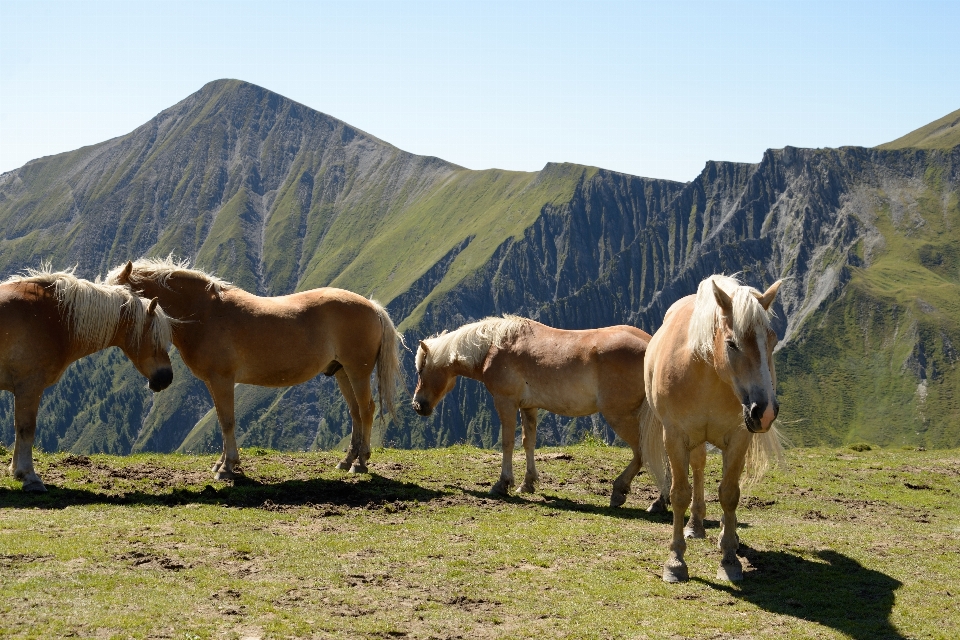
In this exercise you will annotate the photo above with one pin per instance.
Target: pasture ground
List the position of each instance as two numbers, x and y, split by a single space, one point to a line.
838 544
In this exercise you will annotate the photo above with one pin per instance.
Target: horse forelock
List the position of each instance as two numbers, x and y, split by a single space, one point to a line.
749 316
94 310
470 343
160 270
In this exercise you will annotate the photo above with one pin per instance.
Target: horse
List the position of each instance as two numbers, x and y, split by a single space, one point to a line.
710 377
527 366
228 336
53 318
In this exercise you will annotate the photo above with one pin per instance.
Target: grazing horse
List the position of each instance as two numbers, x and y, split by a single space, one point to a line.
710 377
228 336
50 319
528 366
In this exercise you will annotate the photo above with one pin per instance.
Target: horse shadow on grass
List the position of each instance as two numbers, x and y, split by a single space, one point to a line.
377 492
635 509
834 591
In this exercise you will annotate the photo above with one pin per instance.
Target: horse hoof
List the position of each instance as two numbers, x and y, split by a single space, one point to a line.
225 474
675 571
732 572
617 498
500 489
695 531
358 468
658 506
343 465
34 485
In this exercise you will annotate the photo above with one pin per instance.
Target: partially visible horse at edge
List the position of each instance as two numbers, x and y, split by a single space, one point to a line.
710 377
527 366
227 336
48 320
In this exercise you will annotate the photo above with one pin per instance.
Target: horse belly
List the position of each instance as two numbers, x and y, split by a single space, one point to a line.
565 398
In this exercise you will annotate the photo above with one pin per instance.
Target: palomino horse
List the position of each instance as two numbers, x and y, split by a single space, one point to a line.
710 377
229 336
50 319
528 366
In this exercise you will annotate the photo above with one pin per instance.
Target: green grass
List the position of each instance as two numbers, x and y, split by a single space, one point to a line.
841 544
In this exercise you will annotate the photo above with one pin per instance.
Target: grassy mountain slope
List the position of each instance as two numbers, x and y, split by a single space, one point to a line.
939 134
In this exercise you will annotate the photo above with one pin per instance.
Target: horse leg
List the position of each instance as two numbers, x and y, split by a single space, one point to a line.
356 432
528 418
364 399
698 510
507 411
734 457
675 569
628 428
26 404
228 467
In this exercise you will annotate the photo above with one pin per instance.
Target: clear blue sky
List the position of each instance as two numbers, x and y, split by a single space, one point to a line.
648 88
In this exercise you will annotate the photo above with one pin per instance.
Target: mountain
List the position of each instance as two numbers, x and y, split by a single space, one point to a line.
277 197
939 134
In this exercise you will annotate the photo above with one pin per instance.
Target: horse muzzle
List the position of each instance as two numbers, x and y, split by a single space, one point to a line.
422 408
161 379
756 415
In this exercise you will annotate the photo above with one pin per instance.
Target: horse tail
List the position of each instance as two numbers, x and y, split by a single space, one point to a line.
651 446
389 372
766 449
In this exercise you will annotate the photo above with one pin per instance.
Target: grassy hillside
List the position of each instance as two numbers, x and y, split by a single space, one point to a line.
939 134
840 544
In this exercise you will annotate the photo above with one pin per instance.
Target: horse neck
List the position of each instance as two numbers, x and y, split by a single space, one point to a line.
181 298
461 368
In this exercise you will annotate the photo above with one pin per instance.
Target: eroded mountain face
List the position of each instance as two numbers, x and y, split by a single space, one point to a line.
277 197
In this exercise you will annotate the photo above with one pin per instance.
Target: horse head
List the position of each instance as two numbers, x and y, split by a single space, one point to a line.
743 352
147 350
434 380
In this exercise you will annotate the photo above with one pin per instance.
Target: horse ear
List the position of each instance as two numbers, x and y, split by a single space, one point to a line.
152 307
723 300
766 299
423 345
124 277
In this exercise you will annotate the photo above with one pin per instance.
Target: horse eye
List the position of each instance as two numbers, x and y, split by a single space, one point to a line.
732 345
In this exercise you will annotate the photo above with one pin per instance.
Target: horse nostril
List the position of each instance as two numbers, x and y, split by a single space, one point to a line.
161 379
756 411
776 409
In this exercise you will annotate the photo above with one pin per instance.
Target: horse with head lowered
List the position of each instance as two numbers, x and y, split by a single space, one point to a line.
50 319
527 366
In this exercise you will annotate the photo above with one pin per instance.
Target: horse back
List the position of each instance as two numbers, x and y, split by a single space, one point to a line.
277 341
571 372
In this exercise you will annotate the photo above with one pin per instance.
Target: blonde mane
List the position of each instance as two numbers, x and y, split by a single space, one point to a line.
748 314
471 342
161 269
94 310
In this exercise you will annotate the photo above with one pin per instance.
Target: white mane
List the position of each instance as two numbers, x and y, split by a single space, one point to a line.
93 310
471 342
160 269
748 314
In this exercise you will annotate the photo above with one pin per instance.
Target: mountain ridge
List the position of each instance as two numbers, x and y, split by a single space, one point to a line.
277 197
